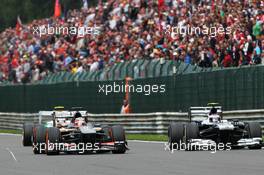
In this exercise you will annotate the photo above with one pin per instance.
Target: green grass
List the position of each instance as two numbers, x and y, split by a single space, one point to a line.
10 131
147 137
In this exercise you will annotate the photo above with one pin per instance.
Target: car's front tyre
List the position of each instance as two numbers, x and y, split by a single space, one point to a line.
27 134
39 134
254 131
53 138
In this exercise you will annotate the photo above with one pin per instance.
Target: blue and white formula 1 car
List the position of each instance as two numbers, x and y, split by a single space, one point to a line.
207 127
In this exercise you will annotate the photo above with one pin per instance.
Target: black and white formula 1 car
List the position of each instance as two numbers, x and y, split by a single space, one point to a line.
207 127
70 131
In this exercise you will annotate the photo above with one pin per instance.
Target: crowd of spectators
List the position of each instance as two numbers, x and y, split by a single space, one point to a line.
135 29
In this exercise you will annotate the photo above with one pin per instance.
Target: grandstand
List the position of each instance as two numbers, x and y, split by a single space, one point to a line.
135 31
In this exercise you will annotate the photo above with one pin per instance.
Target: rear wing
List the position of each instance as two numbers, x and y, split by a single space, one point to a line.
67 114
45 116
201 113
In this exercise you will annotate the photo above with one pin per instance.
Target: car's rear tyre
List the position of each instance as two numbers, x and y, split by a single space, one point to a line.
175 135
118 134
39 134
53 138
27 134
254 131
191 132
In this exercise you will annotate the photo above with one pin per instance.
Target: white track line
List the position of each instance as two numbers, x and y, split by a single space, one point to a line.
11 154
9 134
143 141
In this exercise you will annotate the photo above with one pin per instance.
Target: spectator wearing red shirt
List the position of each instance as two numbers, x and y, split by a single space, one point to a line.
227 62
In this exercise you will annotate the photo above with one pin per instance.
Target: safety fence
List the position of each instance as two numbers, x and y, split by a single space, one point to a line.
136 69
140 68
147 123
234 89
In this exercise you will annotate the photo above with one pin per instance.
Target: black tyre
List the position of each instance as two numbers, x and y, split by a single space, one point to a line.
53 138
254 130
118 135
39 135
175 134
27 134
191 132
107 138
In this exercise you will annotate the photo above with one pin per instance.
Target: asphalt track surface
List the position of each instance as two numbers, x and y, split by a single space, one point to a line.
141 159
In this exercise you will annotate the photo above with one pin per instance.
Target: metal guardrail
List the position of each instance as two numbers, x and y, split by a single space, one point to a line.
148 123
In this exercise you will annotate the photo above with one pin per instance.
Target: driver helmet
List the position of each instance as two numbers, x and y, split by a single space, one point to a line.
77 115
213 111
